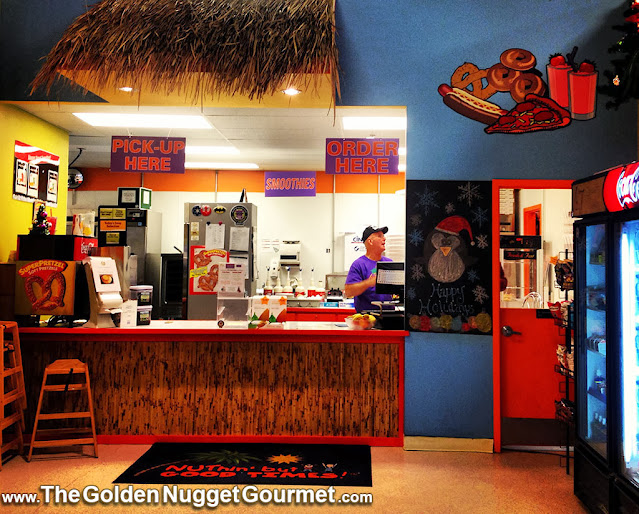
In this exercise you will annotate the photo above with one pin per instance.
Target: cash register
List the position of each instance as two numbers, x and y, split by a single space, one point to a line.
390 280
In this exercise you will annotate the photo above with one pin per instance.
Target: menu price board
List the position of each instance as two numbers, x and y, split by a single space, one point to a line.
35 174
112 226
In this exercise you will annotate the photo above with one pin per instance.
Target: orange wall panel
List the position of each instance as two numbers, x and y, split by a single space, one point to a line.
392 183
236 180
191 180
101 179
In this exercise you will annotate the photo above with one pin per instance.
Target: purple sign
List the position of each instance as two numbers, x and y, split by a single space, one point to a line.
289 183
375 156
147 154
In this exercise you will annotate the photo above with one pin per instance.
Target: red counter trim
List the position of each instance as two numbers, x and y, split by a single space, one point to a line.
291 439
266 335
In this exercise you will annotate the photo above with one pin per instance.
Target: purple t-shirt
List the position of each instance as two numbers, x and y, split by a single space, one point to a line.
360 270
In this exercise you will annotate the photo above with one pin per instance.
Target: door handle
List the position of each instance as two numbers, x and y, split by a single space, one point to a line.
507 331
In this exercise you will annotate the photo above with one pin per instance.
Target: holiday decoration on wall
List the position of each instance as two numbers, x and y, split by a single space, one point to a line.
623 80
567 92
448 257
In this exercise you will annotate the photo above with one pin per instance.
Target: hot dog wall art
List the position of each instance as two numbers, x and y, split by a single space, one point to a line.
566 92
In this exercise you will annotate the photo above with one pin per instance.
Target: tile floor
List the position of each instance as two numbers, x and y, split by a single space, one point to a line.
403 482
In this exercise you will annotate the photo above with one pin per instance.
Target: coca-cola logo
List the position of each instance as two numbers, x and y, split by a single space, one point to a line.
628 187
84 247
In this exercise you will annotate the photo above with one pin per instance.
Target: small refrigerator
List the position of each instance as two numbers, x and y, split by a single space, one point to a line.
208 227
607 339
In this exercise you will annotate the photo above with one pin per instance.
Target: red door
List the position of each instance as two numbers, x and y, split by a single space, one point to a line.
529 383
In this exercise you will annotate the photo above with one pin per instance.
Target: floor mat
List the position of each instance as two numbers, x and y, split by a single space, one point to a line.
252 463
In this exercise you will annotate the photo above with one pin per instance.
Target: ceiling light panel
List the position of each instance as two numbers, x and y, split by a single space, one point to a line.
155 121
211 150
374 123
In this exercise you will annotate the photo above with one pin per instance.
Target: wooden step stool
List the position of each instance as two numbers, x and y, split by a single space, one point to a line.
13 397
64 436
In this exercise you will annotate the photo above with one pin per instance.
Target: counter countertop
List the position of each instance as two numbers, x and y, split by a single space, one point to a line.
232 330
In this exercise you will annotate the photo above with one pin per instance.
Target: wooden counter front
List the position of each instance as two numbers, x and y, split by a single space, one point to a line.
190 380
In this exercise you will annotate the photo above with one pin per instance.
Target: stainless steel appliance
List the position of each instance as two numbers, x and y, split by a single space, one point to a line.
144 236
166 273
225 226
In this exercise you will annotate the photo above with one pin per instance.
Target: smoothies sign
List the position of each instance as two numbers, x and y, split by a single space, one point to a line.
289 183
148 154
621 188
362 156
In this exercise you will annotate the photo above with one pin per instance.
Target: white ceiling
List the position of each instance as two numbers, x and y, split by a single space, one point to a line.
273 138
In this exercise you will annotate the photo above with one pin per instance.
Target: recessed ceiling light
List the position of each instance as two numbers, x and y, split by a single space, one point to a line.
374 122
291 91
175 121
126 89
211 150
221 165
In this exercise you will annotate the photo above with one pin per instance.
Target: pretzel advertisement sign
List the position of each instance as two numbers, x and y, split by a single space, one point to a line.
204 269
45 287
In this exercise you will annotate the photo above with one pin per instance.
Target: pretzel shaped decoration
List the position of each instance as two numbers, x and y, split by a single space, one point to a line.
45 299
29 289
470 78
202 259
55 300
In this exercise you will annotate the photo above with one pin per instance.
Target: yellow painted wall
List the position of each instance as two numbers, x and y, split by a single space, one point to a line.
15 216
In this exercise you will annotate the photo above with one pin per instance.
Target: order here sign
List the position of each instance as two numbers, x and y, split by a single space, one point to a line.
357 156
148 154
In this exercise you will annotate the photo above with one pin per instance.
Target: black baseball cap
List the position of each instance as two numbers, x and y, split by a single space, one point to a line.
368 231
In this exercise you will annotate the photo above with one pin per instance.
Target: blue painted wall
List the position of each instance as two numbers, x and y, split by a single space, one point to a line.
397 53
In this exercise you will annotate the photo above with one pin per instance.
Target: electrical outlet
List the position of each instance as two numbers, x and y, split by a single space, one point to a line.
328 250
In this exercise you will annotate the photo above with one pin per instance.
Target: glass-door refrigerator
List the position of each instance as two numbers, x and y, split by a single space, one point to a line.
592 415
607 339
629 358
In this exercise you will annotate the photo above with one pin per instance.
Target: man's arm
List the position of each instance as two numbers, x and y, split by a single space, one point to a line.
358 288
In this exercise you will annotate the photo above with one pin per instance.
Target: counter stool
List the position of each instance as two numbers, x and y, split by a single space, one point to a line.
13 399
64 436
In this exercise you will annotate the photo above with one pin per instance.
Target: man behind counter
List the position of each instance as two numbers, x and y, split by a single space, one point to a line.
360 281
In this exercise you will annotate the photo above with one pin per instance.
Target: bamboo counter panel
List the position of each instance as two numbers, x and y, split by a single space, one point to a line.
190 380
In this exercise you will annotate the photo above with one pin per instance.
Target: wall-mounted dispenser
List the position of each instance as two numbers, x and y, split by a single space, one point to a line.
290 253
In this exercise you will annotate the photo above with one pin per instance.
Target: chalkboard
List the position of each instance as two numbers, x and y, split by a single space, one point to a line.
448 256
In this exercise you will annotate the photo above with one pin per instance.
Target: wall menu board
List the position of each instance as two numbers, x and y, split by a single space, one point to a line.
35 174
448 256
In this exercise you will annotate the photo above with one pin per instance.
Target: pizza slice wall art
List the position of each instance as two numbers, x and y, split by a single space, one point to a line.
566 92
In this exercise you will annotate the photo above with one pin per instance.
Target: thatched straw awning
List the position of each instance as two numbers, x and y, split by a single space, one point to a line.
196 47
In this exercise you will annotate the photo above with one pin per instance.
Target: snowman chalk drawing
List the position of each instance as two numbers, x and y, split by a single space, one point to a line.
446 264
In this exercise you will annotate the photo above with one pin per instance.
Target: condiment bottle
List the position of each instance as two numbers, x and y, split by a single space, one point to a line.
300 290
278 285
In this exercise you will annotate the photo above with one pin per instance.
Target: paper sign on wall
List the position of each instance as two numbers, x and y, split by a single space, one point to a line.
239 239
214 235
35 174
